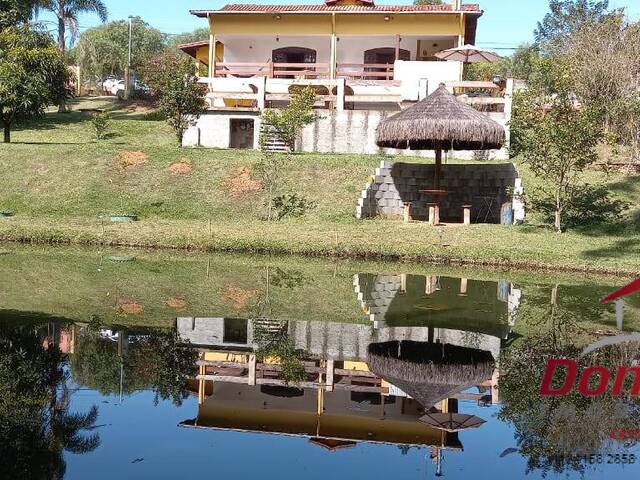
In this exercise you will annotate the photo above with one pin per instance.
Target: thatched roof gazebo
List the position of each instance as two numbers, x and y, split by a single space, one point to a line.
440 122
429 372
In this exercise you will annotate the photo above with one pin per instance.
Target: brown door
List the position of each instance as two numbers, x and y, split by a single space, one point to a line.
241 133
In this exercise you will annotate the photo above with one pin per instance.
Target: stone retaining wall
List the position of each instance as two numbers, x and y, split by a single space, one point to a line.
480 185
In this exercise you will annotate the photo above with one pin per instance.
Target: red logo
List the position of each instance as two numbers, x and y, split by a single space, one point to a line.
592 382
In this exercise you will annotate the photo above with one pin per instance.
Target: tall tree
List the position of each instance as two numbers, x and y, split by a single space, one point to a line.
428 2
67 11
33 75
555 137
565 17
102 50
180 96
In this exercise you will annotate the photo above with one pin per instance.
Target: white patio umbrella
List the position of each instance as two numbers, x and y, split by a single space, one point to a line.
468 54
451 422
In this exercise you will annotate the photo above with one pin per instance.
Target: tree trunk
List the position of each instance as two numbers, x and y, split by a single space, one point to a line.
61 46
557 222
61 28
7 132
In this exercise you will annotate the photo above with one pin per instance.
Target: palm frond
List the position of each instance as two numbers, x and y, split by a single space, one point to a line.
74 7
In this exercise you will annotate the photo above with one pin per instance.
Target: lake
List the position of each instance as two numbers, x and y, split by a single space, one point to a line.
133 364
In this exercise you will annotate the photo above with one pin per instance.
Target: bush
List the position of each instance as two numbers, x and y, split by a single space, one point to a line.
291 205
587 206
100 122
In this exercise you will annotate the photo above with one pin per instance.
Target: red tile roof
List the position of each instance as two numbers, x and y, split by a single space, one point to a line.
246 8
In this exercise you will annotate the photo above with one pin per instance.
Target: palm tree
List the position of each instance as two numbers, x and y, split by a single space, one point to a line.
67 12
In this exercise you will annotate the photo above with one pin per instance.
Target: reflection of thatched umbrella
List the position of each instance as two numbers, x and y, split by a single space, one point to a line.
451 421
440 122
429 372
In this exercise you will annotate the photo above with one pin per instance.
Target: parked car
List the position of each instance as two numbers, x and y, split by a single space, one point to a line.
107 84
116 87
141 88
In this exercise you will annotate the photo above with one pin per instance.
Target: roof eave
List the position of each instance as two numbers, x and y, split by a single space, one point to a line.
206 13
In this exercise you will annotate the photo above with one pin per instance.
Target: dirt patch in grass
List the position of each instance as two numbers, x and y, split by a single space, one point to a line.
240 182
181 167
131 158
238 296
176 303
128 307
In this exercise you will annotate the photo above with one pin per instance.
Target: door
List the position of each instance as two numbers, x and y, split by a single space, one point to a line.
299 55
241 133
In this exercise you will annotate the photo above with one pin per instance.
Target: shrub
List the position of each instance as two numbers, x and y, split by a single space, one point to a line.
100 122
291 205
587 206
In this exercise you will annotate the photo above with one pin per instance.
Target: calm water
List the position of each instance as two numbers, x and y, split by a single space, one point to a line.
138 365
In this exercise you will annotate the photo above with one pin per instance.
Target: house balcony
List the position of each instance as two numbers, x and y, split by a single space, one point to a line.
348 71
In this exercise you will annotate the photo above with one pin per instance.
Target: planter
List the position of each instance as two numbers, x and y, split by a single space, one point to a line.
123 217
5 214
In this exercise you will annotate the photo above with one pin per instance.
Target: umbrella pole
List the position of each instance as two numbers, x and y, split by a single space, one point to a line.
436 175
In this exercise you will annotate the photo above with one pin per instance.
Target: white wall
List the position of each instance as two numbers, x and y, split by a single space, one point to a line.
410 74
350 48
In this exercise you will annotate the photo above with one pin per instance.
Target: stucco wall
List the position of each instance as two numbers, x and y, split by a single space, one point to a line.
213 130
348 131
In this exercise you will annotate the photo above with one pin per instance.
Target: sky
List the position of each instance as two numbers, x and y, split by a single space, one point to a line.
504 25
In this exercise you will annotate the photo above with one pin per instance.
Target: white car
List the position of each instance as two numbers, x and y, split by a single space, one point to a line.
107 83
117 86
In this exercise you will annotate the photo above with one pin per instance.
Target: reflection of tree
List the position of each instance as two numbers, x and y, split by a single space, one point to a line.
158 361
287 278
552 431
273 341
36 426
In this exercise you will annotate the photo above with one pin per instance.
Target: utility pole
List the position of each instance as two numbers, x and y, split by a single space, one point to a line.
128 76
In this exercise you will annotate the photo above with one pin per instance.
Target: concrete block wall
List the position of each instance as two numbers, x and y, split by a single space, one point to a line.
335 131
393 185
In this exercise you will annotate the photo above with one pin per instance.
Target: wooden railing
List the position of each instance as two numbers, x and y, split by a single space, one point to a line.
369 71
272 70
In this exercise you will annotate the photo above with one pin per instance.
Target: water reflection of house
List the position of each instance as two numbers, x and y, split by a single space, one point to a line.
340 399
332 419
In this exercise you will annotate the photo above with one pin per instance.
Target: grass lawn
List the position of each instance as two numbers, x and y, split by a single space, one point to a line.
58 181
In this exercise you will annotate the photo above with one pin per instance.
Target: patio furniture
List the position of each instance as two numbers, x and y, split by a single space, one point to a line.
434 213
407 212
466 214
487 205
434 206
440 122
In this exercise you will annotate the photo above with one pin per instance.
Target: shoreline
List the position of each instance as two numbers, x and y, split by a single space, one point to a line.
436 254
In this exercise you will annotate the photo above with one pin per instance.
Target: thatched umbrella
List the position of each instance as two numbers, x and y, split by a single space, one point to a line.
429 372
440 122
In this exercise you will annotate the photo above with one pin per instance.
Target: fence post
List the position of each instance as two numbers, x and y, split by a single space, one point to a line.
508 109
340 93
261 84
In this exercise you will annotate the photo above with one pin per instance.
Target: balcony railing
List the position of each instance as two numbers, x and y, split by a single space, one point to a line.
351 71
362 71
272 70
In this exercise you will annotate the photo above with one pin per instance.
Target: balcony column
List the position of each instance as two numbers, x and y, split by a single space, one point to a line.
398 47
212 55
333 57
